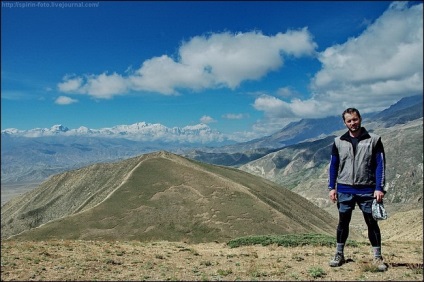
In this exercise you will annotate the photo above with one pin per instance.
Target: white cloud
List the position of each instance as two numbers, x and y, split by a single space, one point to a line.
164 75
382 65
234 116
287 92
14 95
102 86
273 107
63 100
233 58
213 61
370 72
207 119
70 84
105 86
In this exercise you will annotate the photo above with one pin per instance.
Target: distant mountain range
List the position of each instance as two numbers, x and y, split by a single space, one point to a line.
141 131
58 149
407 109
203 134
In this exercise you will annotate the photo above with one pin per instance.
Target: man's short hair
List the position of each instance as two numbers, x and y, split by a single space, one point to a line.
350 111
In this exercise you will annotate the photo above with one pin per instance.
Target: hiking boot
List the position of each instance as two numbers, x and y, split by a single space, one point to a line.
337 260
379 263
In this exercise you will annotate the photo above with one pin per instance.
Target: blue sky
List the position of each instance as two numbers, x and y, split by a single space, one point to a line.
244 68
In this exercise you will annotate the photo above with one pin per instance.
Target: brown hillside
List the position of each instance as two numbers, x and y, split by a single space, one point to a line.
160 196
63 194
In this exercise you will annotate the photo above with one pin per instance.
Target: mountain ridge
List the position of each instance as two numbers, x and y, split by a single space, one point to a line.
26 160
159 196
303 167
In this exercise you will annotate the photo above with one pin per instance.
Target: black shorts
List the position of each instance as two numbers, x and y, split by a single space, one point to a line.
347 202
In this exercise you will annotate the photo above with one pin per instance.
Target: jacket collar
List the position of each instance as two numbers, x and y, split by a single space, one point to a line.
364 135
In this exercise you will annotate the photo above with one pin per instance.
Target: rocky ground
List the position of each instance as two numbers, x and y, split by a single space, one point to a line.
160 261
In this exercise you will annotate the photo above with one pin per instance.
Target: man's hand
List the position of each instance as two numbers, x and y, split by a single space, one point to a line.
333 195
378 195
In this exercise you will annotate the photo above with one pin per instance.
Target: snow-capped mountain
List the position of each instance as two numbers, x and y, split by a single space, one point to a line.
141 131
32 155
59 148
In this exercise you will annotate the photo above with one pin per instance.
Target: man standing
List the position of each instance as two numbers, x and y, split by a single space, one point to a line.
357 176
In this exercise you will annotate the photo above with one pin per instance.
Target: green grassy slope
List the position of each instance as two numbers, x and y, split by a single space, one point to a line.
167 197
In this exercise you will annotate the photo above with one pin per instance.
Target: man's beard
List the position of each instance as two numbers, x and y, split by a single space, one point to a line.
356 129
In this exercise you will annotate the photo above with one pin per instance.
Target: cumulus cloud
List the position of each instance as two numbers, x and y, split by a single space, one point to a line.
370 72
273 107
208 61
229 59
70 84
382 65
102 86
63 100
207 119
105 86
163 75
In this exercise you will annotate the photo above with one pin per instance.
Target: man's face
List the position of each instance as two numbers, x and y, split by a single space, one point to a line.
352 122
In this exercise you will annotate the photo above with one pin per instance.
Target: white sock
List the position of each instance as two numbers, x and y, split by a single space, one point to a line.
340 248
